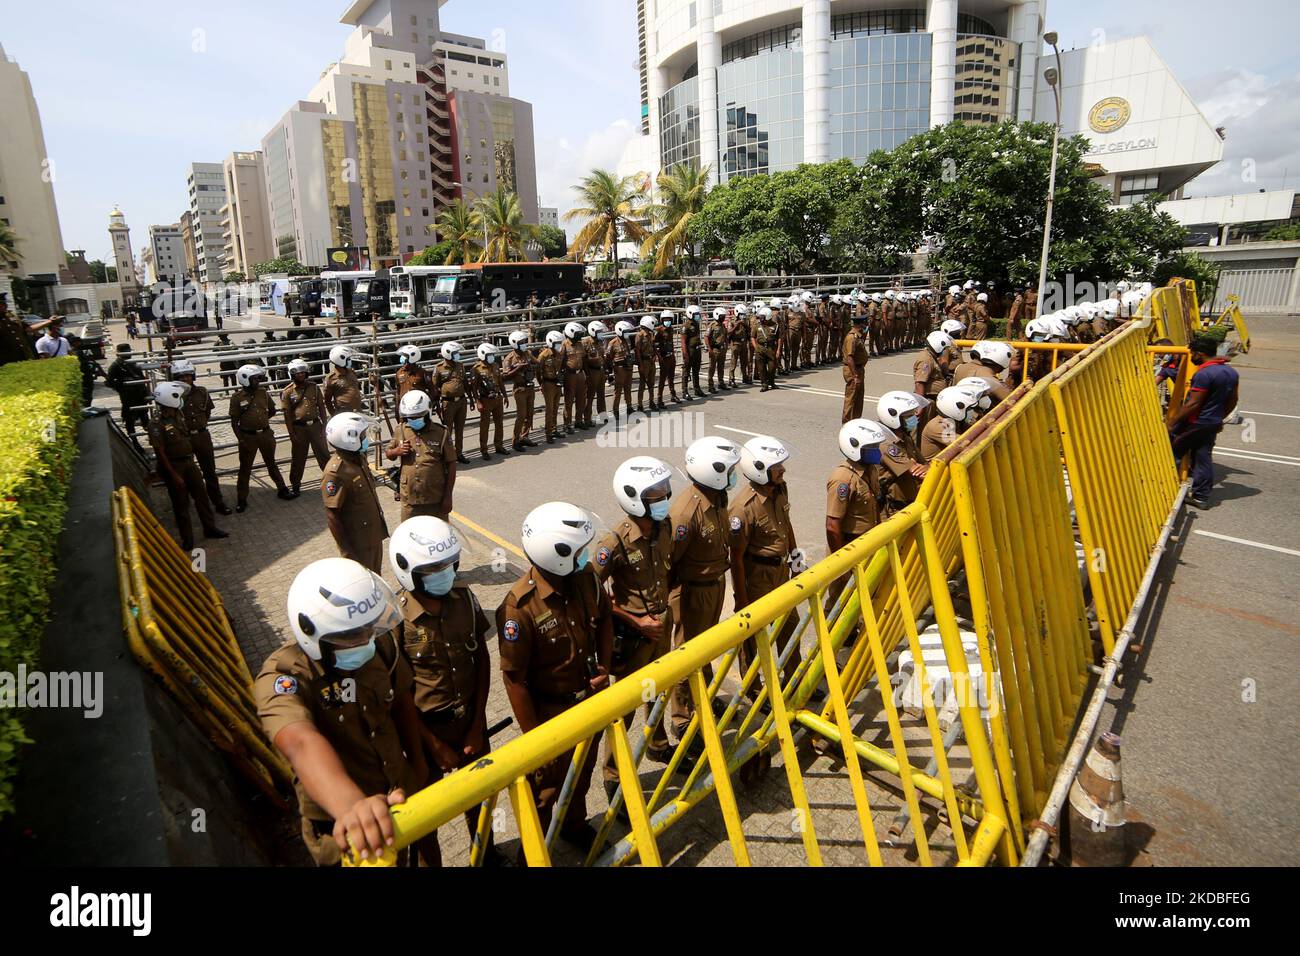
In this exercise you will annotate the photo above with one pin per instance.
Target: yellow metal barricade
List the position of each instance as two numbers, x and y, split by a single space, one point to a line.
1232 316
177 629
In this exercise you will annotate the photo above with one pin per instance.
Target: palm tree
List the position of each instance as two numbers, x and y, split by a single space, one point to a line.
506 231
461 226
682 191
10 256
609 205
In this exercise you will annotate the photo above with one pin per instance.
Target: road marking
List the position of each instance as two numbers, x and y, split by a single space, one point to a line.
1248 543
740 431
1269 414
900 374
1251 451
822 391
501 542
1266 461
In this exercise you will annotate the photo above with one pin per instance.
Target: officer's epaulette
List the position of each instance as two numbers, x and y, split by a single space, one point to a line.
521 589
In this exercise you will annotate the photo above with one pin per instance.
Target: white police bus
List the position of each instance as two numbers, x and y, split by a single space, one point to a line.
336 300
409 288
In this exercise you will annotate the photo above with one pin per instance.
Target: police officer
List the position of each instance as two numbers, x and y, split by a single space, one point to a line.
666 356
228 366
519 371
450 392
853 489
692 342
556 638
594 348
1016 317
618 357
198 412
989 361
632 560
763 548
904 467
855 369
930 371
347 488
645 362
701 553
304 419
574 357
170 437
126 377
489 391
551 370
715 339
342 391
444 637
427 457
251 408
958 409
738 338
410 375
980 330
764 340
338 702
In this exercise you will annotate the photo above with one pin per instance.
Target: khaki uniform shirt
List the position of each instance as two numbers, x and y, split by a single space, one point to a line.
485 382
690 336
198 409
595 354
519 369
425 466
644 345
764 334
939 432
303 403
618 353
549 365
342 390
448 382
353 710
411 378
442 647
700 549
170 435
855 353
251 411
545 638
977 370
717 335
573 356
898 458
760 523
348 487
927 374
636 565
852 495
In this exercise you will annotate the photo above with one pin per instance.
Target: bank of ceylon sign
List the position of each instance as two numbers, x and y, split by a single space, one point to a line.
1110 114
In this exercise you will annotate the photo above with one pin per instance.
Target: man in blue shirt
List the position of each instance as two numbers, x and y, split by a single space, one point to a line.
1211 398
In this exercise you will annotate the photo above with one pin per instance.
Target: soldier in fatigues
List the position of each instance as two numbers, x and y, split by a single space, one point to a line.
347 487
594 347
692 340
198 412
444 637
645 363
170 437
338 702
342 391
618 355
763 548
855 369
633 561
574 358
763 339
489 393
450 393
251 408
304 419
427 457
715 339
550 366
556 638
519 370
701 553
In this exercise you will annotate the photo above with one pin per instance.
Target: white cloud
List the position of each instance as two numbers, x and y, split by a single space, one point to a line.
561 164
1261 118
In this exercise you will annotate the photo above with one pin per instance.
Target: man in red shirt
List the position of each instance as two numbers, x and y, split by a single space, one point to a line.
1211 399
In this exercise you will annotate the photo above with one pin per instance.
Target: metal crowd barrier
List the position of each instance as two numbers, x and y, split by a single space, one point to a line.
177 630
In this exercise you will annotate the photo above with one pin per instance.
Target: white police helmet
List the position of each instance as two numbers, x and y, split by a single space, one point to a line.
518 340
336 600
999 353
596 329
692 310
981 388
250 374
169 394
719 313
860 433
892 406
410 354
982 297
487 352
648 322
420 546
938 342
450 351
959 404
299 366
556 536
574 330
554 339
953 327
414 404
347 431
711 462
624 328
666 317
759 455
954 290
183 367
342 357
635 477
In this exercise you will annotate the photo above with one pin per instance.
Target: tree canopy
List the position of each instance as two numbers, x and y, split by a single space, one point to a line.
285 264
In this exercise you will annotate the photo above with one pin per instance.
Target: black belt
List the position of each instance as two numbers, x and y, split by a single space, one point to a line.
648 612
447 714
573 698
308 421
764 559
255 431
180 460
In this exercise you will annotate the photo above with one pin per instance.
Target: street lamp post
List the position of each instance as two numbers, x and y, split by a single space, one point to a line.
1053 78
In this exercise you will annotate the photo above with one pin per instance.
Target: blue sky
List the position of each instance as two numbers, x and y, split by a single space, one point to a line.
131 92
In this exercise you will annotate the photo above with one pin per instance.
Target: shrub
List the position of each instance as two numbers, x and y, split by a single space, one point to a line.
39 404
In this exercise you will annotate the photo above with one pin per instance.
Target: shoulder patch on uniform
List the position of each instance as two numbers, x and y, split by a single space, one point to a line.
602 556
735 525
284 684
680 533
842 492
331 488
893 451
511 631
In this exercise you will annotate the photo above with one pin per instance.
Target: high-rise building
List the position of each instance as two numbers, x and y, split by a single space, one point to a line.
471 67
207 192
166 254
492 141
548 216
120 234
187 240
27 204
245 226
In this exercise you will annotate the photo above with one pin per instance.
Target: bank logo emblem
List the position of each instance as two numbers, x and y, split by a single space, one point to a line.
1110 114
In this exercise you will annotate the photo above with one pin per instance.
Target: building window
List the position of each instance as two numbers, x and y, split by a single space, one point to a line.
691 13
388 65
1135 189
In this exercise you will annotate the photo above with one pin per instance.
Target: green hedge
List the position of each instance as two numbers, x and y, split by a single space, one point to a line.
39 414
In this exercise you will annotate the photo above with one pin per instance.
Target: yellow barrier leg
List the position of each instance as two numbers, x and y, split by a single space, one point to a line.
718 765
646 847
530 824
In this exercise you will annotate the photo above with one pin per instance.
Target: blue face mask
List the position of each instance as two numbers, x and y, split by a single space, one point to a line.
417 423
354 658
365 445
731 479
580 562
911 423
439 582
871 456
659 510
